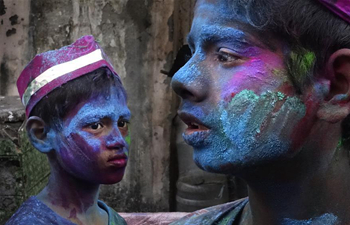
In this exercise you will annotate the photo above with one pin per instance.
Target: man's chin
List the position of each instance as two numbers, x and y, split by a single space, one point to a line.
207 161
214 167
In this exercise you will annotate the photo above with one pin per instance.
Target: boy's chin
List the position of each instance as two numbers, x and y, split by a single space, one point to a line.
113 179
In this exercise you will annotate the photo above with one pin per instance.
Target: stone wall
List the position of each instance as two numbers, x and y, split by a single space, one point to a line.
141 37
23 170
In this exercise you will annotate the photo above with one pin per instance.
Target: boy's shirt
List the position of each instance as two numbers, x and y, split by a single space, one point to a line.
34 212
225 214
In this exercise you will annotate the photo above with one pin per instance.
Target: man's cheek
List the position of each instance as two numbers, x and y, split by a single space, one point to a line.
249 117
302 128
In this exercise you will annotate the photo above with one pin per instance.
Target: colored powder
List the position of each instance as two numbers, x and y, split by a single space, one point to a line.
300 65
326 219
127 139
340 143
247 130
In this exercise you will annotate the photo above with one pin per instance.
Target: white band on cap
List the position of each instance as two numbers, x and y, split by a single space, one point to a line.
58 71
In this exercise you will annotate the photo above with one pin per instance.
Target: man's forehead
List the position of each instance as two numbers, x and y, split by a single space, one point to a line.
220 11
225 15
200 4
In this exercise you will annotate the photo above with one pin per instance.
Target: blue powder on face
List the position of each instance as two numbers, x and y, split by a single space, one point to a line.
239 136
189 73
249 130
325 219
80 149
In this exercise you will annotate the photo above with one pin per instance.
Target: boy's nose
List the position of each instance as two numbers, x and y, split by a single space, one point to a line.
115 140
189 83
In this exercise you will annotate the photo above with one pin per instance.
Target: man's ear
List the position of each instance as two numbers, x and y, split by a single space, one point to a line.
37 132
336 105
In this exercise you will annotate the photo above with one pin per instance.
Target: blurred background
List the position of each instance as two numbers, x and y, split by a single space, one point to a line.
146 42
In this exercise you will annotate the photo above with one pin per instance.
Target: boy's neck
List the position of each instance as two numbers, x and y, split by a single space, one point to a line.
70 197
301 190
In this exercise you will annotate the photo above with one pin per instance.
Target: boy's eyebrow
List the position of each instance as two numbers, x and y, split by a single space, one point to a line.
126 114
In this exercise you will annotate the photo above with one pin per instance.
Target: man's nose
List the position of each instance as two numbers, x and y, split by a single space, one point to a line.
190 82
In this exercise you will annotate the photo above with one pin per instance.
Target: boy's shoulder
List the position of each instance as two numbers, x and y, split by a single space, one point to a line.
35 212
113 217
226 213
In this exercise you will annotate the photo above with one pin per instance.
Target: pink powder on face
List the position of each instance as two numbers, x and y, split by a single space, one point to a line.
257 74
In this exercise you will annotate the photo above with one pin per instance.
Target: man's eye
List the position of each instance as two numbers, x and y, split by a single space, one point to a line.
96 126
226 55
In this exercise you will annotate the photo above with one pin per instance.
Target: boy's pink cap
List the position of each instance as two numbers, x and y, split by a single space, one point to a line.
339 7
51 69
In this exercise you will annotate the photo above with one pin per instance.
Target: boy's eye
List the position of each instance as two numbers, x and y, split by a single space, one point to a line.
96 126
122 123
123 127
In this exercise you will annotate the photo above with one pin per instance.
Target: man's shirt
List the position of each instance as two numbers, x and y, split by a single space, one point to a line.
225 214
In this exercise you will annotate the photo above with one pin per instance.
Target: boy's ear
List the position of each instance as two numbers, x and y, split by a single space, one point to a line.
336 105
37 132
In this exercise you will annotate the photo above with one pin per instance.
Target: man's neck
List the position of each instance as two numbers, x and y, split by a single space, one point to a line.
71 198
300 191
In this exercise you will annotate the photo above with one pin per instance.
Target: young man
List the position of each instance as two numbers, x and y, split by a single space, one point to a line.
77 116
266 98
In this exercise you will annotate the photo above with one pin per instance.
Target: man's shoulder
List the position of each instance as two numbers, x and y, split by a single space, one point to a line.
35 212
215 214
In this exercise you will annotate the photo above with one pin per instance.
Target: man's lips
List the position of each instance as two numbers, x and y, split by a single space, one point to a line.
119 160
193 123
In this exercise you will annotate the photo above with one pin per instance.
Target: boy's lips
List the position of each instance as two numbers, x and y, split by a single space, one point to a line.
119 160
193 123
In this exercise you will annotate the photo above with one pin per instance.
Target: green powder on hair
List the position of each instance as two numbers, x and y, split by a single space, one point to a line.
300 67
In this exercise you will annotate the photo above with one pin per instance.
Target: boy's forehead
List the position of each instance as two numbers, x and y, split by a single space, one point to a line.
102 105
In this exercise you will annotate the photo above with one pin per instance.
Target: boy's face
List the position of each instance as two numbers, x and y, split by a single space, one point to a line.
92 145
237 98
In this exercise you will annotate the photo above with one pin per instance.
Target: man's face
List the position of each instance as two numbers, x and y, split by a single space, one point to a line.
237 98
91 145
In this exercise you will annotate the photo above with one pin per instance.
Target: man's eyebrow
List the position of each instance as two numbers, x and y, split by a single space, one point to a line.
215 33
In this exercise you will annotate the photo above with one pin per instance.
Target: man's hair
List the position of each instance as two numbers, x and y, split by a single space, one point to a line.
310 29
57 104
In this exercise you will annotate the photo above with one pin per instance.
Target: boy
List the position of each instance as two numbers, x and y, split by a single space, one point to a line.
266 98
77 116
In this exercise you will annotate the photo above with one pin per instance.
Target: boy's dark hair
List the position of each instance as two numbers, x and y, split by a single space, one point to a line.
310 29
57 104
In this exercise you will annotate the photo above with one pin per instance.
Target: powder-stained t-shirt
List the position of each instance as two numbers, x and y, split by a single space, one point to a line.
34 212
225 214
